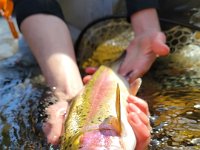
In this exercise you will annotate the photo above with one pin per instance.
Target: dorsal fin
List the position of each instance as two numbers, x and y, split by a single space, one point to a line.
115 122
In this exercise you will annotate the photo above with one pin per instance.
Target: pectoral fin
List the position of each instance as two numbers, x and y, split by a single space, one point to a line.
115 122
118 109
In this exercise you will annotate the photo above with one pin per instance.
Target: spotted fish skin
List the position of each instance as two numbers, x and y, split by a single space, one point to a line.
89 122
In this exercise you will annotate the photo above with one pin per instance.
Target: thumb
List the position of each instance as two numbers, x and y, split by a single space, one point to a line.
158 45
86 79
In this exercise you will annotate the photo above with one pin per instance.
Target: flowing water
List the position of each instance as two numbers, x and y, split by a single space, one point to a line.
175 116
173 95
20 88
172 90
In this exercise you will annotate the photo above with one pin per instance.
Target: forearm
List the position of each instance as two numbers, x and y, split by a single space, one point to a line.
145 20
50 42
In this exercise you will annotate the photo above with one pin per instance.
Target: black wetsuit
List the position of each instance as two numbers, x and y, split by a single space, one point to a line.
172 12
175 10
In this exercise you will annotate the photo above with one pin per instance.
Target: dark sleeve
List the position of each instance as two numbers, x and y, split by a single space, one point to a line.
25 8
136 5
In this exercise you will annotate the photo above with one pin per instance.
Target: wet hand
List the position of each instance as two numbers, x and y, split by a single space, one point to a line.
138 113
89 71
54 125
141 53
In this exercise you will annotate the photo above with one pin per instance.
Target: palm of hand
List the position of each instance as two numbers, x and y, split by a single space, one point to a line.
141 53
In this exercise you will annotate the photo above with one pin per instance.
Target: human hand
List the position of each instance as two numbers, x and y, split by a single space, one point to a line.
149 42
54 125
141 53
89 71
138 113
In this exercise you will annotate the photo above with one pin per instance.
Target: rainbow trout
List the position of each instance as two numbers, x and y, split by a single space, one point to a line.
97 118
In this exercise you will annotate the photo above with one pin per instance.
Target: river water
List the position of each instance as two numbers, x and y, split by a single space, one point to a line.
20 88
172 91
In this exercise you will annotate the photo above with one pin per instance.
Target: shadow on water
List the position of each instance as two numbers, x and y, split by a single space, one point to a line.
173 96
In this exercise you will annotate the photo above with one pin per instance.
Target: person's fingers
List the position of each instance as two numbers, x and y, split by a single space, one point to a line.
143 117
134 75
141 66
54 125
136 64
141 54
53 129
86 79
52 134
140 103
126 66
158 45
90 70
141 131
